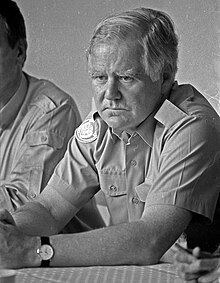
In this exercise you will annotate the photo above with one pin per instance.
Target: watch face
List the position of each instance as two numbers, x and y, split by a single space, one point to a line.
46 252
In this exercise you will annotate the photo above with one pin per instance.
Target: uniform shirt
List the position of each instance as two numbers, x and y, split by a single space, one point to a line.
35 126
172 158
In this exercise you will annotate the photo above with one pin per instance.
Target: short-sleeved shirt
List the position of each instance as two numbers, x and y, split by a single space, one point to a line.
35 126
172 158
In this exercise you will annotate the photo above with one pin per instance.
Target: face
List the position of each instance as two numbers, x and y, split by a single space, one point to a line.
10 67
124 94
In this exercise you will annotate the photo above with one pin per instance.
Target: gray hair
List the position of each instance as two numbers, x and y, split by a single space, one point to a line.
154 32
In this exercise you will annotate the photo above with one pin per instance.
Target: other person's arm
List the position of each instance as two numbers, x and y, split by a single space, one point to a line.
43 145
195 269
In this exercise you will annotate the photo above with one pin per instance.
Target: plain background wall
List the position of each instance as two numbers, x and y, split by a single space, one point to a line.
59 31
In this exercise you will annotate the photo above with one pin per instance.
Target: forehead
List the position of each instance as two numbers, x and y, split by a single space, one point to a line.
116 56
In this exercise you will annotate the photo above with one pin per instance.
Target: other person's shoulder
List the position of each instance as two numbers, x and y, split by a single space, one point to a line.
45 90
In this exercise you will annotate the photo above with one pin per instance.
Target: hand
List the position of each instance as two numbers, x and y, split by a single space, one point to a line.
193 269
213 276
6 217
17 250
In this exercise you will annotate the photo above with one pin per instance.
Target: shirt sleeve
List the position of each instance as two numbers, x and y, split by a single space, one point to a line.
42 146
186 170
75 178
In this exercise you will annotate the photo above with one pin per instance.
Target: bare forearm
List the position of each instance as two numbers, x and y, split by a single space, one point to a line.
122 244
139 243
34 219
116 245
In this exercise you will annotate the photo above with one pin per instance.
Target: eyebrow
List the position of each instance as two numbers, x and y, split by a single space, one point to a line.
129 72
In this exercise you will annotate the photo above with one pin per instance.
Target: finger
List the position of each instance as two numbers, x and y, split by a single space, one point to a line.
188 276
183 280
200 265
184 257
186 272
208 264
195 267
210 277
196 252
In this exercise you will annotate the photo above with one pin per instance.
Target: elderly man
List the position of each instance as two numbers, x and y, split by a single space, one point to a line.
151 147
37 118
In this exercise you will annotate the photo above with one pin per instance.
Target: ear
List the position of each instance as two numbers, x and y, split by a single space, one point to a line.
21 51
167 79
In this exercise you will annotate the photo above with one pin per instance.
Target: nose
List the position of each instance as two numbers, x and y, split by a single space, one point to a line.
112 92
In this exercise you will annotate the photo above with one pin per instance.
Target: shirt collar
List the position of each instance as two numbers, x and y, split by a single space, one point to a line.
167 114
145 129
10 110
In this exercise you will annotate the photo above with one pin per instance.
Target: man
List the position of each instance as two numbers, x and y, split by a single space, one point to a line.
36 117
193 268
151 147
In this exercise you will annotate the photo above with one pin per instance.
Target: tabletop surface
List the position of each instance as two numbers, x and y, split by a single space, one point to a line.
160 273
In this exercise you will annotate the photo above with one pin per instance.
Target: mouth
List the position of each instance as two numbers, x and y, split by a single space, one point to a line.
114 109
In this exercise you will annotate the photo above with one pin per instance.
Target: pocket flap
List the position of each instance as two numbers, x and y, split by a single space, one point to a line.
113 184
142 190
45 138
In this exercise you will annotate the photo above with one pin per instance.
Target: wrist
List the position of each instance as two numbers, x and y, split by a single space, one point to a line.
33 259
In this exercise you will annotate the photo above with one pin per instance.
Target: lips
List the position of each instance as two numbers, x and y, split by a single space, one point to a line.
113 109
118 108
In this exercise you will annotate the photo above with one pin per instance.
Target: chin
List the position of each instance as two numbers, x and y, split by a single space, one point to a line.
116 123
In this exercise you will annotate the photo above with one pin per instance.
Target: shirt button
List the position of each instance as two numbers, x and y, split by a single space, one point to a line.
135 200
113 188
44 138
133 162
33 195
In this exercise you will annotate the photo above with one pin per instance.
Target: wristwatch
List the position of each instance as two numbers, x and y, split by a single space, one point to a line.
46 252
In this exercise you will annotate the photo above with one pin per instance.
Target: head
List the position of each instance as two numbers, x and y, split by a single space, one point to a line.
13 47
140 47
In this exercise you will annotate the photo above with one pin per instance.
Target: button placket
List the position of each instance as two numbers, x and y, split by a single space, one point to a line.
33 195
133 162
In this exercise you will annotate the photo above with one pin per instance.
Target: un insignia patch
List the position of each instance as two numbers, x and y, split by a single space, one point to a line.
86 132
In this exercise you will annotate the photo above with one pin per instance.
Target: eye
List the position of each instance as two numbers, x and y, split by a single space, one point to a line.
126 79
99 78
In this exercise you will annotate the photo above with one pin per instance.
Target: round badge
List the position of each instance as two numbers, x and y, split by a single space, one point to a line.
86 132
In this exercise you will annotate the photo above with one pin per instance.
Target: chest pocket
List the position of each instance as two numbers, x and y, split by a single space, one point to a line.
113 183
45 138
113 186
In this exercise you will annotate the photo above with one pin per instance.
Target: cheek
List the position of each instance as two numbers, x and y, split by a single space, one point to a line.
96 89
97 99
138 101
141 105
98 93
